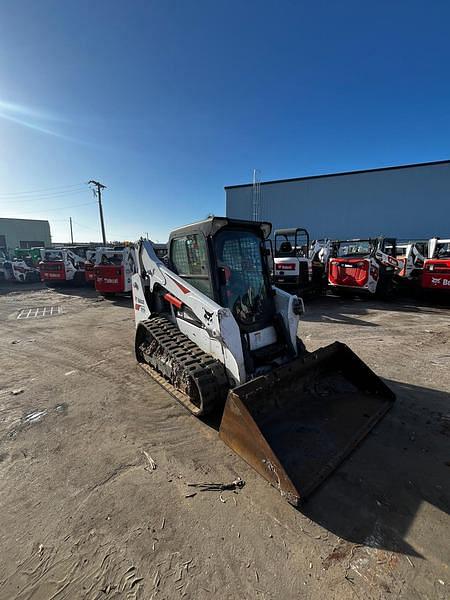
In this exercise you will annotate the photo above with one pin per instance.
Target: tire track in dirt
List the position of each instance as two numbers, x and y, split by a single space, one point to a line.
83 570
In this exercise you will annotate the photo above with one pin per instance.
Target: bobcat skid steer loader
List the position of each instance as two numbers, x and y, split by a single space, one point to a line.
436 268
60 266
212 330
297 264
17 269
113 270
365 266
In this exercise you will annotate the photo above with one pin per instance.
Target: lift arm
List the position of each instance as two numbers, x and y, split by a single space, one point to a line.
213 327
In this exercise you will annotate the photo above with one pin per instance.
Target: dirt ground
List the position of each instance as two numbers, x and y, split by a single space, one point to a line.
84 516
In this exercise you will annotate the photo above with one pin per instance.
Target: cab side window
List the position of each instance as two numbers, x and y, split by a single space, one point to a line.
189 257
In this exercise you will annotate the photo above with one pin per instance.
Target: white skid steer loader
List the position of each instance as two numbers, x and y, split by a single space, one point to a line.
214 332
299 266
17 269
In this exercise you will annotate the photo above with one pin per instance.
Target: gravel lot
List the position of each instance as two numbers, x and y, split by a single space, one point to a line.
84 515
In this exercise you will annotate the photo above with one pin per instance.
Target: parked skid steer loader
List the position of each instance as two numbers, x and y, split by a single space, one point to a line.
60 266
299 266
212 331
17 269
366 266
436 268
113 270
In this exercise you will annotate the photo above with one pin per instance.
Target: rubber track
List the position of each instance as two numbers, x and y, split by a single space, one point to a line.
173 352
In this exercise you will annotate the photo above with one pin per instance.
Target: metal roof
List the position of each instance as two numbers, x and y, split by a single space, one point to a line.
375 170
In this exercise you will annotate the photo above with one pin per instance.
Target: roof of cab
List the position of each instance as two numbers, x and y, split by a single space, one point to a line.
212 225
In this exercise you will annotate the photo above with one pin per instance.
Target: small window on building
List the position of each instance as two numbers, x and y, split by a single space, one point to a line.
190 259
32 244
2 241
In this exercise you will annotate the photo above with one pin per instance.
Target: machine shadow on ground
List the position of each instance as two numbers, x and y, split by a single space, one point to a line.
88 291
8 287
119 300
81 291
349 310
65 289
374 496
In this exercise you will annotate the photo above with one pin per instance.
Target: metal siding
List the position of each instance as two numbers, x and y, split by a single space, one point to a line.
17 230
410 202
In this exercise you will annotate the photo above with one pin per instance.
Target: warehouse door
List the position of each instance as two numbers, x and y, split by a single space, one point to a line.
32 244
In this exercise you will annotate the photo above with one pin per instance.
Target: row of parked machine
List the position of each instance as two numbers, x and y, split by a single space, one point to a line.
20 267
371 266
108 268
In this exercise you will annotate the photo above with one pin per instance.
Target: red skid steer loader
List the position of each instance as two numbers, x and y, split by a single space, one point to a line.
113 270
436 268
363 266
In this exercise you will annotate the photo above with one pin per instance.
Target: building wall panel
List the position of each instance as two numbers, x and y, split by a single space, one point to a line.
16 231
406 202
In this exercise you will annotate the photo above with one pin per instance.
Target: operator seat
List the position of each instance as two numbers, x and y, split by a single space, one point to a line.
285 248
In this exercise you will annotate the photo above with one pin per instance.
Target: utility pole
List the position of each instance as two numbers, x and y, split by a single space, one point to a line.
100 187
71 230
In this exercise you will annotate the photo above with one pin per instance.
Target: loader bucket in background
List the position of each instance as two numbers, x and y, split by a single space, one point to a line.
296 424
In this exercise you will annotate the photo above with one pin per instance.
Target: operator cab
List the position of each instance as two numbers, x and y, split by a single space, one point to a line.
291 242
296 265
51 255
353 248
364 248
226 259
442 249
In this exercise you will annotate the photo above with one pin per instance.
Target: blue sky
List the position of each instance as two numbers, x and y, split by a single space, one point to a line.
166 102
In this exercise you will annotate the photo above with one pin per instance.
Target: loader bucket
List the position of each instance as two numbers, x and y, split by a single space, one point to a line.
296 424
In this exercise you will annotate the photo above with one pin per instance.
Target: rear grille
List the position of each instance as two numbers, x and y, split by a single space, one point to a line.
47 267
436 268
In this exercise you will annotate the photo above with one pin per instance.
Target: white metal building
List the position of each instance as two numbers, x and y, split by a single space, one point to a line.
408 201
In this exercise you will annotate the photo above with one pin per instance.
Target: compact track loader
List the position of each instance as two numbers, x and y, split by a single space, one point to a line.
214 332
60 266
366 266
20 270
113 270
436 267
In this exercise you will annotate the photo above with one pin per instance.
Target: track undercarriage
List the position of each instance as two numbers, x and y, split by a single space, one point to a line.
191 376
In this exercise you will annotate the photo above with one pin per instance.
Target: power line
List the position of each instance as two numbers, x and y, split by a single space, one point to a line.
41 210
42 190
43 197
85 226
